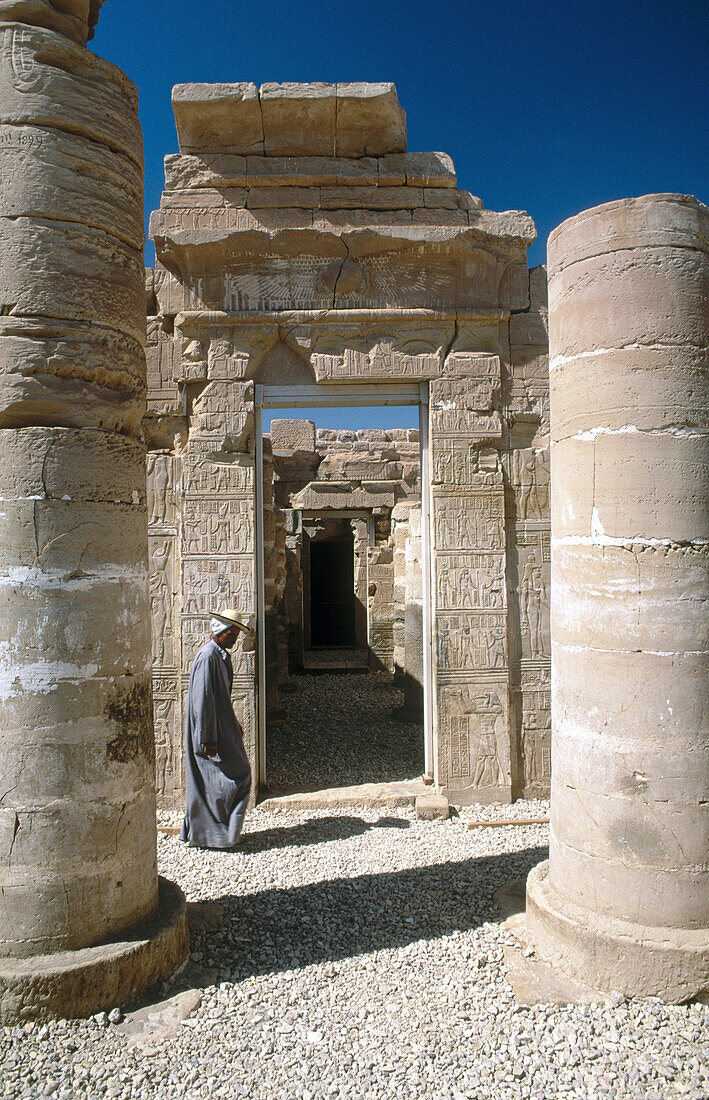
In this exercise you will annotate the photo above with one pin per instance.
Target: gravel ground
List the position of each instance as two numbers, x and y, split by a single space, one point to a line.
359 956
329 717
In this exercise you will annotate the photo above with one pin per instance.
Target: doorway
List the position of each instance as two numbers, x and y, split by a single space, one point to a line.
332 595
332 619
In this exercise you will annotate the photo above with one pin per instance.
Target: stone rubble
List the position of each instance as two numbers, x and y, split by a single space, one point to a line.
360 956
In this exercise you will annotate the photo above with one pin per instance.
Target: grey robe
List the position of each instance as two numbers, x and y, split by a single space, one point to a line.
218 787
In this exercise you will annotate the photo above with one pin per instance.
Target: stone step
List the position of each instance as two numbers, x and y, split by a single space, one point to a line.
402 793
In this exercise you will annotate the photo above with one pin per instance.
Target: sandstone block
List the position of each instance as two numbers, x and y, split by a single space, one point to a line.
222 118
340 120
69 374
307 198
293 435
75 19
184 170
376 198
102 278
432 807
62 176
417 170
299 118
370 121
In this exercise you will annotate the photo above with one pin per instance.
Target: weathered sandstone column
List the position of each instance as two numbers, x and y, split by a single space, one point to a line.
77 799
624 901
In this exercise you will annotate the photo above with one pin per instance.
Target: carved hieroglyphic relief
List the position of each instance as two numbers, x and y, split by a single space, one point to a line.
164 476
529 540
474 751
468 642
529 476
470 596
536 734
161 353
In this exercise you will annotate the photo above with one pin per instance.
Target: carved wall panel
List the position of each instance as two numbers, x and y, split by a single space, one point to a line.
530 574
469 583
218 562
380 576
162 357
164 476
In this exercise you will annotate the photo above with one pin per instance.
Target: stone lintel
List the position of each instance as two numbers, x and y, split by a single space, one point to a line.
208 170
178 231
190 319
350 120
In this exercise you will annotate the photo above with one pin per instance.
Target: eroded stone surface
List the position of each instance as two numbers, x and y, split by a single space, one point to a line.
77 816
330 120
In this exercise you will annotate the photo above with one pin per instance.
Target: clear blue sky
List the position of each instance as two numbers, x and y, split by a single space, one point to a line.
547 107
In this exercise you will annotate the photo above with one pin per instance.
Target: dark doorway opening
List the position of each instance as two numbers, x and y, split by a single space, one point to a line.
332 596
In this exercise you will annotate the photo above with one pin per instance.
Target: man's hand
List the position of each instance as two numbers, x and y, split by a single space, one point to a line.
210 749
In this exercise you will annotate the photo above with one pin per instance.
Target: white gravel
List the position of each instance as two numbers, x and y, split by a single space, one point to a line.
320 742
359 957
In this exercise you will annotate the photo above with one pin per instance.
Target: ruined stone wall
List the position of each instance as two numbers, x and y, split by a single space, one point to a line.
299 243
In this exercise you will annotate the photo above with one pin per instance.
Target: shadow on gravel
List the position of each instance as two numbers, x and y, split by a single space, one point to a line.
317 831
340 918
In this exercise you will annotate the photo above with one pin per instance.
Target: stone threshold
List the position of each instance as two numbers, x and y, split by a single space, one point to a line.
402 793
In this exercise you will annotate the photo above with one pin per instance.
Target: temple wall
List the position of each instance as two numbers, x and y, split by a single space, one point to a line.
283 265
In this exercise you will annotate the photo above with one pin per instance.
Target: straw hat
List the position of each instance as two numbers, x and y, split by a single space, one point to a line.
230 617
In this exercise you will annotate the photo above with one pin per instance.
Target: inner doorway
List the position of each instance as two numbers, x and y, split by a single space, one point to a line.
336 541
332 594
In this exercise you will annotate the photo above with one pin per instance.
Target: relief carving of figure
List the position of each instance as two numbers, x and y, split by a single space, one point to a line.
443 584
443 533
443 643
495 647
160 483
164 748
219 526
444 463
532 478
494 586
466 588
196 535
488 770
161 608
533 600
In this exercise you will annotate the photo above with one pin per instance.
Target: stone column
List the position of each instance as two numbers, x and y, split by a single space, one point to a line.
77 796
624 901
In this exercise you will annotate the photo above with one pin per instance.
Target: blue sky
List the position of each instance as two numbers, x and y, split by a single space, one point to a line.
547 107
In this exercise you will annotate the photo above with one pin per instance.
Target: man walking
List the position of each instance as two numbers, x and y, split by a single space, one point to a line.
217 769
